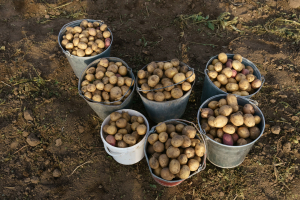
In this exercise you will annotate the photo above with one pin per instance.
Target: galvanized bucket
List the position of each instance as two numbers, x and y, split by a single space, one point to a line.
161 111
225 156
103 109
77 63
209 88
202 166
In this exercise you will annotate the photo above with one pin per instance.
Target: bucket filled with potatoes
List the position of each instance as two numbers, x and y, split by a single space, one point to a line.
231 73
232 125
164 88
107 85
123 133
83 41
175 150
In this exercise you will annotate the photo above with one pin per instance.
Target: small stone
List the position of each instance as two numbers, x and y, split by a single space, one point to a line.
295 118
131 15
27 180
47 16
273 100
221 194
52 56
80 129
25 133
47 162
28 115
56 173
58 142
283 96
138 43
275 129
279 67
267 126
294 3
14 145
32 140
286 147
35 180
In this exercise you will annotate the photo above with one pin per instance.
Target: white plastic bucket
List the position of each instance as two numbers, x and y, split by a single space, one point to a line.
129 155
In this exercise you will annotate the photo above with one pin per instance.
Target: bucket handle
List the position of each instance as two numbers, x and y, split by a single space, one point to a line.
112 154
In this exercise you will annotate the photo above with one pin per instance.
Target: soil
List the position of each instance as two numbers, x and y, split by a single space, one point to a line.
47 130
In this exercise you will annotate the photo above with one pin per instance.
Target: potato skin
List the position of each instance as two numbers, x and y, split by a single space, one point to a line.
193 164
189 152
220 121
206 112
227 139
153 162
189 131
152 138
249 120
163 137
174 166
166 174
225 110
183 159
129 139
243 132
158 146
186 141
173 152
163 160
184 172
237 119
200 149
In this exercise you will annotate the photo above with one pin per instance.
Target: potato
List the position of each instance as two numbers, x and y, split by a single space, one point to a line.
113 68
206 112
170 73
158 146
124 131
111 140
222 58
229 129
238 57
190 75
85 83
174 166
237 119
150 149
241 142
217 83
220 133
88 95
212 74
153 80
163 137
239 77
189 152
168 143
105 95
222 102
97 97
146 87
167 65
211 121
256 84
213 104
193 164
194 142
205 127
82 45
69 46
227 72
231 87
115 93
232 80
225 110
213 132
183 159
129 81
243 132
153 162
222 79
244 93
157 87
121 123
218 67
173 152
177 141
136 136
141 129
227 139
84 89
141 74
220 121
244 84
134 125
179 128
248 109
152 138
91 88
173 134
231 100
254 132
249 120
90 77
257 119
189 131
163 160
111 130
159 96
65 42
118 136
166 174
186 141
170 128
215 61
161 127
130 139
150 96
200 149
176 93
237 65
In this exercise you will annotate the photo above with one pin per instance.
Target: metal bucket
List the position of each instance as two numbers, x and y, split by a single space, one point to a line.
209 88
226 156
161 111
102 109
77 63
202 166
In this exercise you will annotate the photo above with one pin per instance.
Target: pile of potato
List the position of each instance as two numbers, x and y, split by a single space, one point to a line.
88 39
165 74
174 151
240 80
107 83
124 130
226 122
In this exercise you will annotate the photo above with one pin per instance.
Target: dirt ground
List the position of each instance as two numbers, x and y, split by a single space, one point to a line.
40 105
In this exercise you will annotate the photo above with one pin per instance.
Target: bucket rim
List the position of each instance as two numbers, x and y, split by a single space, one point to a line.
62 31
262 78
162 102
126 148
224 145
201 167
93 63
